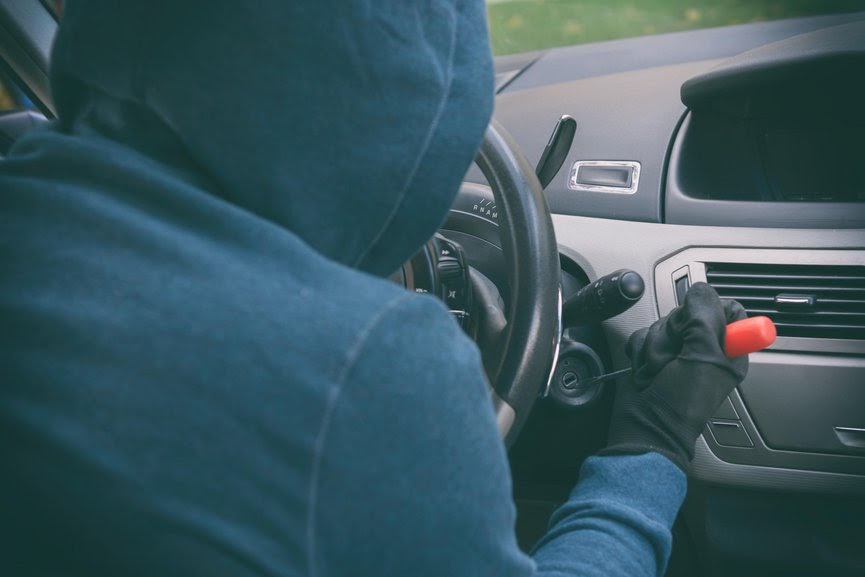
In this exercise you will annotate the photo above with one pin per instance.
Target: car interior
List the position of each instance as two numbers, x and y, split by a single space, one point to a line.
730 156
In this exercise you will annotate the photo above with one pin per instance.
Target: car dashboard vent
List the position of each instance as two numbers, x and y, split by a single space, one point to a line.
812 301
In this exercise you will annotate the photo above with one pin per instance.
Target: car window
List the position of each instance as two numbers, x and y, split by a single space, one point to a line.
526 25
55 7
11 95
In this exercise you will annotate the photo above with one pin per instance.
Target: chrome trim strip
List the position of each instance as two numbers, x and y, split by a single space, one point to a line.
505 414
635 176
850 429
557 340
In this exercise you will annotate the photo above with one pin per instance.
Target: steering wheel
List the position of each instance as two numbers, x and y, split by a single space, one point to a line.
521 364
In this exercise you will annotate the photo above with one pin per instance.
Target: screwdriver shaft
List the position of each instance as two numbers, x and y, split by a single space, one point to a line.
607 377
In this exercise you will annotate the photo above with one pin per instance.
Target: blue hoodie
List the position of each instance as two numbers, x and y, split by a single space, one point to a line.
205 370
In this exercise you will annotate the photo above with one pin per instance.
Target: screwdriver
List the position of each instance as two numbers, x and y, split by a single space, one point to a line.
741 338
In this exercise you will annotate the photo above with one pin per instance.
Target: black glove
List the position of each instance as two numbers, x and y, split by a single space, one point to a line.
681 376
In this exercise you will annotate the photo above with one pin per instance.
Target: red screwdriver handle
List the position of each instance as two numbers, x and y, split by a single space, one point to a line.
749 336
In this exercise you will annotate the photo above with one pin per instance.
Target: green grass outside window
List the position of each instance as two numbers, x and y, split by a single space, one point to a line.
525 25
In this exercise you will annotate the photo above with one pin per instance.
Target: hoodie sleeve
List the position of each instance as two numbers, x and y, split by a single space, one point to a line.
412 478
617 520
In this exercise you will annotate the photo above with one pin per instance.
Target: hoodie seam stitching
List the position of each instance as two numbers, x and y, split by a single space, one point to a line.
424 148
333 398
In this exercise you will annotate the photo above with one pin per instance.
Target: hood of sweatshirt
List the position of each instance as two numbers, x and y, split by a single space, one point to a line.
350 123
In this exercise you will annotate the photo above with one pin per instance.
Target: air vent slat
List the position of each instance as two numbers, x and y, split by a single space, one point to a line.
833 307
857 318
797 278
825 303
782 288
820 326
852 303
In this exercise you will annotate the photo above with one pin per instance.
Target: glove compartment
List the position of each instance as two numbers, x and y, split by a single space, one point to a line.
813 403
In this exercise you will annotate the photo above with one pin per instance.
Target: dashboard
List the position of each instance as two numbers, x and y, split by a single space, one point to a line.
733 157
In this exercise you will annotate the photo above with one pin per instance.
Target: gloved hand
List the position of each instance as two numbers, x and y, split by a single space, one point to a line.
681 376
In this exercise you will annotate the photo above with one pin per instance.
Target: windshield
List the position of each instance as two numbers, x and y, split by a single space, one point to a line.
526 25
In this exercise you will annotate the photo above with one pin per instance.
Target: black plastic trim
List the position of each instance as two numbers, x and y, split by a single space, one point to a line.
773 63
680 208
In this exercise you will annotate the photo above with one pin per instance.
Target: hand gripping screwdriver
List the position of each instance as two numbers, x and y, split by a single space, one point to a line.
741 338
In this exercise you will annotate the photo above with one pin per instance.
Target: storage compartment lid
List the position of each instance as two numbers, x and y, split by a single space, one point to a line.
812 404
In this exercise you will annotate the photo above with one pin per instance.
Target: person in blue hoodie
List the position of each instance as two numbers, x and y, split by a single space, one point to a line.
205 370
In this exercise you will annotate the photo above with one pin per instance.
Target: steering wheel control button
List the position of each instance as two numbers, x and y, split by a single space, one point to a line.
611 176
456 295
448 260
449 268
446 248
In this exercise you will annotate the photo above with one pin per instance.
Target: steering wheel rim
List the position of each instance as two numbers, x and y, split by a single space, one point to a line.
525 354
